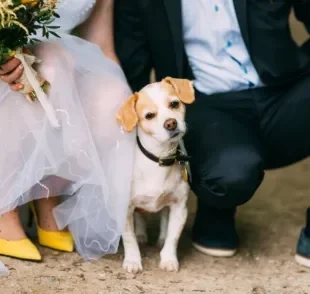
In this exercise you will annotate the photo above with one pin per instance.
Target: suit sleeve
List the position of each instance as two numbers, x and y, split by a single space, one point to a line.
302 11
131 43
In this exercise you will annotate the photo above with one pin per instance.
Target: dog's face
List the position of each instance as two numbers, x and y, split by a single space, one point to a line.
159 109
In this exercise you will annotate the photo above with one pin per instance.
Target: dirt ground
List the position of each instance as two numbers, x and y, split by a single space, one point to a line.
269 227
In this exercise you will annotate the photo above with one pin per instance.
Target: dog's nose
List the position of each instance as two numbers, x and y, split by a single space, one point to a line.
170 124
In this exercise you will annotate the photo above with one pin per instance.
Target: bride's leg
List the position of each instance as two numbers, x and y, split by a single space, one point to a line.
45 206
10 226
48 233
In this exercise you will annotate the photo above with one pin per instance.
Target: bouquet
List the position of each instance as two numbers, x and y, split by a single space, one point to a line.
19 22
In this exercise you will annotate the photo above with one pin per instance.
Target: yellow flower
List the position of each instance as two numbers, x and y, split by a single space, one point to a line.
32 3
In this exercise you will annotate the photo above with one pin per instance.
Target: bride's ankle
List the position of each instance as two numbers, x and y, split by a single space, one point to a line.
11 227
44 208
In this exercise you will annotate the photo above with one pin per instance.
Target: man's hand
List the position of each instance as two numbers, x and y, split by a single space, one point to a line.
10 72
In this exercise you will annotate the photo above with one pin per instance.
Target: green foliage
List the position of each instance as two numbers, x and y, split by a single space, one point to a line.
31 17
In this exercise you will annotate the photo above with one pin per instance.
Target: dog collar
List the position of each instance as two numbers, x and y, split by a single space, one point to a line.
164 161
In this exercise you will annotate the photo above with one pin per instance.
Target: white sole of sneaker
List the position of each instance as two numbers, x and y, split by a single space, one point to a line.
215 252
302 260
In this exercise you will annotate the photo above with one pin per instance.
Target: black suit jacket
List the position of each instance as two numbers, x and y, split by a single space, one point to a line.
148 34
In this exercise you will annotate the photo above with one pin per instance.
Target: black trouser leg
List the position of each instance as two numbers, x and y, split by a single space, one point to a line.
285 124
223 141
233 137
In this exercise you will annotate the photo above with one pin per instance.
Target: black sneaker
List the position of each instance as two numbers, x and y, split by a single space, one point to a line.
303 246
214 231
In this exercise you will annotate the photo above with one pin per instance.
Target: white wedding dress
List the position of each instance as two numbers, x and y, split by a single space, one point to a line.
90 149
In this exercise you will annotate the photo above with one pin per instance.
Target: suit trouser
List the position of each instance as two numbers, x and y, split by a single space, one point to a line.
233 137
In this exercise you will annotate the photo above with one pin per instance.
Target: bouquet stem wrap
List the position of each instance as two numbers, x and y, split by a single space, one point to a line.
33 84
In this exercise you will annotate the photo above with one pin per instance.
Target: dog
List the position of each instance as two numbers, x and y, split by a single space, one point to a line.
160 177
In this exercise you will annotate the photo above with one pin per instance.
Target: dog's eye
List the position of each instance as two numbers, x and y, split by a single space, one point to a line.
149 115
174 104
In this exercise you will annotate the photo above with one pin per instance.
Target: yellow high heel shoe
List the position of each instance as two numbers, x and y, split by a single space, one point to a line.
21 249
61 241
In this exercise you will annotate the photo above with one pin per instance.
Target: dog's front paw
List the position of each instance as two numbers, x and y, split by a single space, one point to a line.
169 265
132 266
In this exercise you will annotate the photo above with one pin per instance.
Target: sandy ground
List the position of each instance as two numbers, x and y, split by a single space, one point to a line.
269 226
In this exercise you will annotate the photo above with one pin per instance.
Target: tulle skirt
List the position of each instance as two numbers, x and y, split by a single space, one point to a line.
90 150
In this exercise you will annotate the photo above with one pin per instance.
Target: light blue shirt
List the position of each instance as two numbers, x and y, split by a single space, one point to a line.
215 48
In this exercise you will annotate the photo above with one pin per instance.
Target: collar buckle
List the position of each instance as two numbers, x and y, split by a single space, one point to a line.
167 161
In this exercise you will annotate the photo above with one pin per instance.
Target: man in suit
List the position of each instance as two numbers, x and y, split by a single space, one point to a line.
252 83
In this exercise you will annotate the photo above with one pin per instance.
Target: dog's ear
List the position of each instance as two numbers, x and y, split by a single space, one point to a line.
184 89
127 115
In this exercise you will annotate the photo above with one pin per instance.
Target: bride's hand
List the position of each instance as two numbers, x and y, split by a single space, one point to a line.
10 72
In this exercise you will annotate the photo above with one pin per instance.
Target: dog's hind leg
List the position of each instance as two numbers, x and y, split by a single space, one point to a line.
140 228
164 218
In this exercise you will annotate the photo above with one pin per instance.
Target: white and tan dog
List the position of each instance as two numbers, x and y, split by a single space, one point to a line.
160 177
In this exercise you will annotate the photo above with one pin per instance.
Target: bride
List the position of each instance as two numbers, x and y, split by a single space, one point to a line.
75 179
